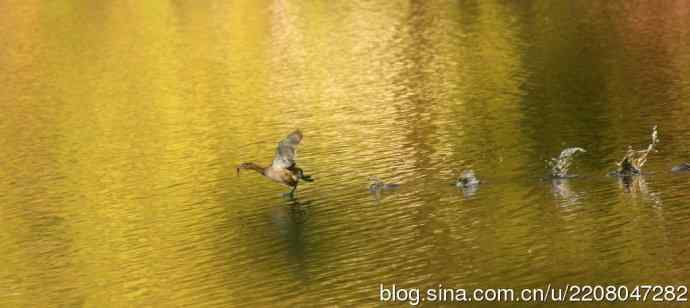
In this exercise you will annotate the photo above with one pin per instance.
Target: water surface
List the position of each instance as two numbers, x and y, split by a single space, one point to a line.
122 122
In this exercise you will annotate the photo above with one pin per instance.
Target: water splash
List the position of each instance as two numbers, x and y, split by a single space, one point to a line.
632 162
560 165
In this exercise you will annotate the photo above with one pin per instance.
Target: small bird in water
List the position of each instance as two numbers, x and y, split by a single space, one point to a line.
467 179
377 185
681 168
468 183
284 168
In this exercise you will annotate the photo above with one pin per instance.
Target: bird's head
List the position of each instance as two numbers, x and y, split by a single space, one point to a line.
296 136
242 166
250 166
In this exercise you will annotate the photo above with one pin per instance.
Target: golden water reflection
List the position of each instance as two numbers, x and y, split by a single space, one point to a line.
122 121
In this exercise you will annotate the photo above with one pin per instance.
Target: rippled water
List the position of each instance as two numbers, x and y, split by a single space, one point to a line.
122 122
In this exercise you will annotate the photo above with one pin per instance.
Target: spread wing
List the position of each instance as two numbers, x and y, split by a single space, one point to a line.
286 153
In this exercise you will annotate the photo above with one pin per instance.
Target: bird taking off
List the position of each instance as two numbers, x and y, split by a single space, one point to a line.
284 168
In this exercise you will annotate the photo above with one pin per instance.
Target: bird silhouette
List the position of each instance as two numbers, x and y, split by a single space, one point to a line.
284 168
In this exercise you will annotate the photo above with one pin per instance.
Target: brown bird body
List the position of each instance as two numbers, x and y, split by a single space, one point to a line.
284 168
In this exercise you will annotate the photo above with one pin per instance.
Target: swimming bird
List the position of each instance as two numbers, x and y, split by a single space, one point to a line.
681 168
284 168
377 185
468 183
467 180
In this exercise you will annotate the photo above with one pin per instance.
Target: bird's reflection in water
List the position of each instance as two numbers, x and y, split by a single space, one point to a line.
470 191
632 184
378 195
561 190
637 185
289 218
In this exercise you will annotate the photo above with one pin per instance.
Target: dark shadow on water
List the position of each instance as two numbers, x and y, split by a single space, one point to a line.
289 218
